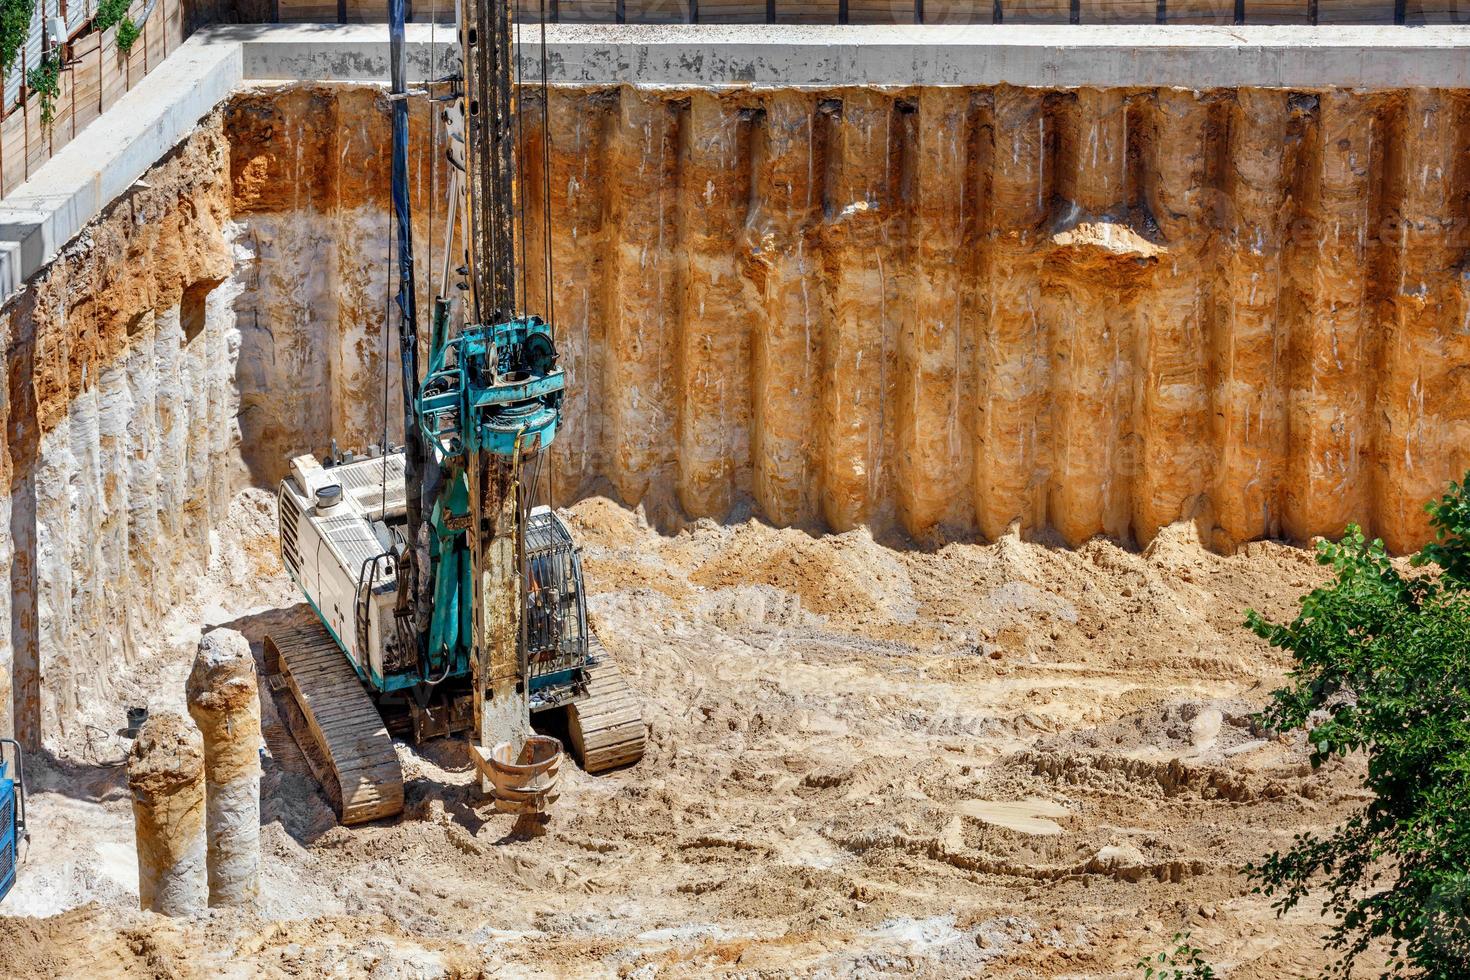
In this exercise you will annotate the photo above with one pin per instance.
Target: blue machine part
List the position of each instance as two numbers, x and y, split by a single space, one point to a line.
495 389
7 831
12 813
491 390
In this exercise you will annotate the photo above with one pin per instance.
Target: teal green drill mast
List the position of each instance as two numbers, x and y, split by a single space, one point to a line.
486 410
445 600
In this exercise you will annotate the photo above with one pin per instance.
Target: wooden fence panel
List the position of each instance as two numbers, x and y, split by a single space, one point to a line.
811 12
589 11
154 43
114 69
1437 12
310 12
1037 11
1118 11
1200 11
362 11
173 25
878 11
656 12
61 125
87 80
38 145
732 11
1277 12
1355 11
12 151
958 12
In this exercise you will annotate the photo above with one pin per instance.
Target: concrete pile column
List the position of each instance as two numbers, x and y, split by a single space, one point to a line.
166 777
223 701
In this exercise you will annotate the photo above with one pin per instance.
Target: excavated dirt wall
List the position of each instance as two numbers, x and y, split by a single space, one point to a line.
118 407
957 310
221 317
1096 311
309 175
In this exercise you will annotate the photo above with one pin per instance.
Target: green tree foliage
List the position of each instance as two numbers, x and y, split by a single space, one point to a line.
15 24
1382 668
127 33
1184 962
45 81
110 12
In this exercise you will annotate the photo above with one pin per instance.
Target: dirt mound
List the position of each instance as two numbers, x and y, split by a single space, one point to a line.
1011 759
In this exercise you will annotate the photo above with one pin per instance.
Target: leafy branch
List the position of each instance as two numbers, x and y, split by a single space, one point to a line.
1184 962
1382 670
45 81
15 25
110 12
127 33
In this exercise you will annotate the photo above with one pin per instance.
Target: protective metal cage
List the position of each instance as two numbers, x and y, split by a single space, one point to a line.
556 609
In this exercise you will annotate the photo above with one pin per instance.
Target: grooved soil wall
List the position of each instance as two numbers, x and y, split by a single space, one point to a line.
1096 311
119 404
953 310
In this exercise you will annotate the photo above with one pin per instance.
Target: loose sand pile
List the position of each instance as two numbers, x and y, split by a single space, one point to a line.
1007 759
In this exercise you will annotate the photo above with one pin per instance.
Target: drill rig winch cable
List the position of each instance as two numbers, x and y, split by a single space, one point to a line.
419 482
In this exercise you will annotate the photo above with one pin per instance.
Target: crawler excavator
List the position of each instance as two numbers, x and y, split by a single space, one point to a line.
444 599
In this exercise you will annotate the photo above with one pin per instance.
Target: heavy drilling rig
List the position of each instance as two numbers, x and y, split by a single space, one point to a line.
445 600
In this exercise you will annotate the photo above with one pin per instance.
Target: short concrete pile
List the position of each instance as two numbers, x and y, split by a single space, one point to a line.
166 777
193 784
223 701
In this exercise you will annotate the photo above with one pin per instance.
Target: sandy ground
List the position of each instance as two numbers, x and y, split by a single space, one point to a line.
1008 760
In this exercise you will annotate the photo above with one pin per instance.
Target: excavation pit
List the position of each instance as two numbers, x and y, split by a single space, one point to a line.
927 434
